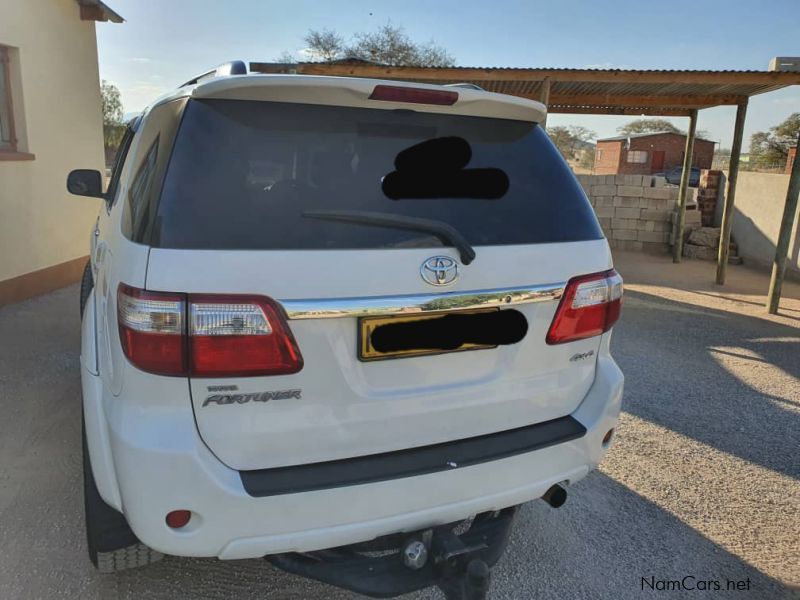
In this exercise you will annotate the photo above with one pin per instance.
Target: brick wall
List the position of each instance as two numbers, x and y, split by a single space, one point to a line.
606 157
635 211
707 194
790 160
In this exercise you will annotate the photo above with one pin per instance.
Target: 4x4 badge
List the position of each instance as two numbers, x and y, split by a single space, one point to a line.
439 270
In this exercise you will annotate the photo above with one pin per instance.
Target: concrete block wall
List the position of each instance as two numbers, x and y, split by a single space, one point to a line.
635 211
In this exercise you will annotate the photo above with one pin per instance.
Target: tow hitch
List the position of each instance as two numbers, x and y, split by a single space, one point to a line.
459 564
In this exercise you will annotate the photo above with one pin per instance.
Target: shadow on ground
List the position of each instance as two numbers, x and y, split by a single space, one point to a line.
670 353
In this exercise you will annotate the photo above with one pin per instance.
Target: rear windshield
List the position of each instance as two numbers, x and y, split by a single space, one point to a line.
246 175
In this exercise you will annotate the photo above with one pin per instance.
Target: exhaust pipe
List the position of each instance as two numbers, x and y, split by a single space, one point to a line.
555 496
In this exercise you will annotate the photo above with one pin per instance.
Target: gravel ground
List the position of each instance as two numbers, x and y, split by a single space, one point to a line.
703 479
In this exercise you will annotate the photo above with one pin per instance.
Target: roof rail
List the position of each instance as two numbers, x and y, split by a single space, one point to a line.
235 67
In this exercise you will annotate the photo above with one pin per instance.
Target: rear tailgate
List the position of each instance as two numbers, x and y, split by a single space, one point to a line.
348 407
233 220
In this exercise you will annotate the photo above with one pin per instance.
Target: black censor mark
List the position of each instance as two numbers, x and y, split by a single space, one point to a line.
692 583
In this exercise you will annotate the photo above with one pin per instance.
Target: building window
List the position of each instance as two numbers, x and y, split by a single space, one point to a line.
7 137
599 154
637 156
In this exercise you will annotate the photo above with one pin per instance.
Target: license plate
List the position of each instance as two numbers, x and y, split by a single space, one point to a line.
420 325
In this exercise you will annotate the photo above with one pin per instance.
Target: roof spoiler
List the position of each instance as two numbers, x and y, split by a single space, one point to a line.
234 67
466 85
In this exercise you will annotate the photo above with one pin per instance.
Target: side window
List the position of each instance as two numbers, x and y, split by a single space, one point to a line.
119 162
8 141
142 182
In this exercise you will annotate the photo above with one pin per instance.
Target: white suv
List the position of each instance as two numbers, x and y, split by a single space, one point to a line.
326 311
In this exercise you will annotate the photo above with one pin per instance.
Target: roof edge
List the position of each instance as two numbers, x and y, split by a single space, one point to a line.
619 138
97 10
665 76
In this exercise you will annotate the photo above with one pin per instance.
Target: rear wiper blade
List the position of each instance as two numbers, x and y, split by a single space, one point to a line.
445 232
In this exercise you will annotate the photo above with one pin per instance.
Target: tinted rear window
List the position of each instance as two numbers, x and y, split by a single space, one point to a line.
243 172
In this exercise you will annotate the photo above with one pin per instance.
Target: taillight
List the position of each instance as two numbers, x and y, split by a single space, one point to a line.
239 336
151 329
397 93
223 336
590 306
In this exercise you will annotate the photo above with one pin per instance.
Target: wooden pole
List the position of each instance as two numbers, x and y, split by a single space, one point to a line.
677 247
785 235
544 97
730 196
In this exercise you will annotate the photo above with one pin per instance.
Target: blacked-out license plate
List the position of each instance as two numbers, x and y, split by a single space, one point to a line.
400 336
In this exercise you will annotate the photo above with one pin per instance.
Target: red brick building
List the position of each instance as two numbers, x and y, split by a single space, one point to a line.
790 160
648 153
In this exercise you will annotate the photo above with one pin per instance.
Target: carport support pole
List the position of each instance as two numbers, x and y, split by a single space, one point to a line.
677 247
544 97
727 210
784 237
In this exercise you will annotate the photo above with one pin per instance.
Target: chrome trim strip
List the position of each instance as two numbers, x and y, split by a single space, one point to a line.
336 308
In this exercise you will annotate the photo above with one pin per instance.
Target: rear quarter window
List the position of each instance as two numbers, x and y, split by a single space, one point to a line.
242 174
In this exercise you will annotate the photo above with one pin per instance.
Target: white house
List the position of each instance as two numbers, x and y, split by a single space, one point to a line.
50 123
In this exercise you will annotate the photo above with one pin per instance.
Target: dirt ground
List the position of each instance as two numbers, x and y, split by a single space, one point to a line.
703 480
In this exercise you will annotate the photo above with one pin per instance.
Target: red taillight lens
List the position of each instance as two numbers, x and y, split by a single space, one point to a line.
224 335
590 306
240 336
396 93
151 329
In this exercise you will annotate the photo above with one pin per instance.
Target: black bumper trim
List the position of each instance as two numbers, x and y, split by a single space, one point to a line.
411 462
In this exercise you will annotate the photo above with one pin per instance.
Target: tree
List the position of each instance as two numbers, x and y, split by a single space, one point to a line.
113 126
648 126
389 45
562 139
771 148
787 132
325 45
286 57
112 104
657 126
572 140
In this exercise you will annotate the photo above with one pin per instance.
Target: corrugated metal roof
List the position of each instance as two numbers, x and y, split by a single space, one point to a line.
610 91
621 138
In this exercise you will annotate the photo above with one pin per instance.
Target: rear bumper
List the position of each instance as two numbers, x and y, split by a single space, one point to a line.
412 462
150 474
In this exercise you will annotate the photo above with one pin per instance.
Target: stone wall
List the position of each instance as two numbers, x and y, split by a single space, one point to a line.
635 211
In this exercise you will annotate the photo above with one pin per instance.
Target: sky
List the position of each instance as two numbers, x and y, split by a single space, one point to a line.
163 43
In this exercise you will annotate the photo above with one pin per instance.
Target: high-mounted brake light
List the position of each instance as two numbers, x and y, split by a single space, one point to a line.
590 306
396 93
205 335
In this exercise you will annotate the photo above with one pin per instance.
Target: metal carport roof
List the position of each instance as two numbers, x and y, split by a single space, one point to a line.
591 91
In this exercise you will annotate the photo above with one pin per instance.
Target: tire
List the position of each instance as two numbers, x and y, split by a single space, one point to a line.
111 543
87 283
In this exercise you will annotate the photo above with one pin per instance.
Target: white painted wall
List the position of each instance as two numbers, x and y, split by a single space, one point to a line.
56 96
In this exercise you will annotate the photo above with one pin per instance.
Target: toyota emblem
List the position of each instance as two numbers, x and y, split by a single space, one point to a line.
439 270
